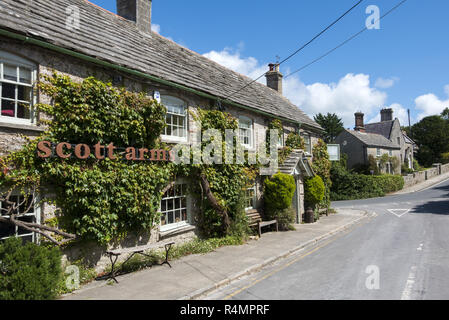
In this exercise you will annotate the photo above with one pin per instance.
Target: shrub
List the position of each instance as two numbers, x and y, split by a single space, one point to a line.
28 271
279 191
405 169
313 190
350 186
416 165
278 195
445 157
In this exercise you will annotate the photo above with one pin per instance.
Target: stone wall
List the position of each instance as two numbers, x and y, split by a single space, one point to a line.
421 176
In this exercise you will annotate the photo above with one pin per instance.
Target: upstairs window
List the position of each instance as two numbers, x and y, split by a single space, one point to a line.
281 141
246 132
17 77
378 152
307 143
176 119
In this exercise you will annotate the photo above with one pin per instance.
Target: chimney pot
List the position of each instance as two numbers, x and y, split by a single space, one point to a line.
138 11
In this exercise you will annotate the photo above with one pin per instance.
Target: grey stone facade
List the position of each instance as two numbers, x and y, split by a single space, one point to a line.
47 61
377 139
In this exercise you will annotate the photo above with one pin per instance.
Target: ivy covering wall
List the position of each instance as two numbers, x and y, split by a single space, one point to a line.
104 200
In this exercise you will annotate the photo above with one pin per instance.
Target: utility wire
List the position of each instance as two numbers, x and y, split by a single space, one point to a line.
344 42
301 48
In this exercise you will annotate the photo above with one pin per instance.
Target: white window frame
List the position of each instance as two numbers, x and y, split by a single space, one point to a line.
183 223
379 152
18 62
37 219
307 142
281 141
254 198
170 101
390 153
250 128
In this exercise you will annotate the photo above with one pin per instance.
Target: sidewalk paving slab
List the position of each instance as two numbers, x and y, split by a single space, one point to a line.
195 275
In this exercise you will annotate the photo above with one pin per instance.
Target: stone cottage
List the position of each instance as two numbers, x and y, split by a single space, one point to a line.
79 39
377 139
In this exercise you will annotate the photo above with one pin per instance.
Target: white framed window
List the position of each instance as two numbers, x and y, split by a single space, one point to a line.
378 152
390 153
175 208
250 198
32 216
246 132
281 141
307 143
17 77
176 119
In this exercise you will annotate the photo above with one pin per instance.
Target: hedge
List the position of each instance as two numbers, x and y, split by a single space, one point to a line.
28 271
352 186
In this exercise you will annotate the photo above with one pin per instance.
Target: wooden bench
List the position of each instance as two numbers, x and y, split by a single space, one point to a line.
255 220
114 254
324 210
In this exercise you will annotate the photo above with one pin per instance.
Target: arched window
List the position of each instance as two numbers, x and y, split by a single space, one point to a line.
176 118
17 77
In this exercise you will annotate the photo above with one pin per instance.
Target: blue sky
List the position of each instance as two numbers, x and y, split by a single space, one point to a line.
403 65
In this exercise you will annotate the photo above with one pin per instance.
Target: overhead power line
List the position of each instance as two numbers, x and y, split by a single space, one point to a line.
344 42
301 48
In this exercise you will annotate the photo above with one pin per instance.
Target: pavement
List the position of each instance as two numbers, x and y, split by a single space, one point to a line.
197 275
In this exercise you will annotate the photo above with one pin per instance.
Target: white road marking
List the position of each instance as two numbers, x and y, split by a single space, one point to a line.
406 294
420 247
398 212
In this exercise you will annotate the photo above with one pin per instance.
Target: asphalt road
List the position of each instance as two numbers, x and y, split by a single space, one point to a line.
401 253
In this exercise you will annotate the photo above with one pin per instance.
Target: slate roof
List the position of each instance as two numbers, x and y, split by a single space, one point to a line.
373 139
383 128
108 37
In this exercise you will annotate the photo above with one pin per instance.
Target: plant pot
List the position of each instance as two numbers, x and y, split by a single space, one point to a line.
309 215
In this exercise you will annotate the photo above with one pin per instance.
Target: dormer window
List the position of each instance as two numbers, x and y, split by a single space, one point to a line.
17 77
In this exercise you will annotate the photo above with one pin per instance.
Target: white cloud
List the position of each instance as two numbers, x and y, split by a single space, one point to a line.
232 59
384 83
430 104
398 112
351 93
156 28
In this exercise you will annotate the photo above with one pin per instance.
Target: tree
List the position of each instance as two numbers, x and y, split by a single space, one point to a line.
445 114
432 138
332 124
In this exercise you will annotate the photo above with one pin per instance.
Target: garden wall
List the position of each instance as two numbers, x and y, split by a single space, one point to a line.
418 177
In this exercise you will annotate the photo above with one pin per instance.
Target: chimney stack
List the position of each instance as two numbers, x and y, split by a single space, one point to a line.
386 115
138 11
274 78
359 124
